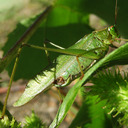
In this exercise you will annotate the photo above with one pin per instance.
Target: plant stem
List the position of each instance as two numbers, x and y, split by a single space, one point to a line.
10 82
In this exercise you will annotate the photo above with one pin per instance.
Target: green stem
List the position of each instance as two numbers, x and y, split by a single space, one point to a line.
10 82
25 37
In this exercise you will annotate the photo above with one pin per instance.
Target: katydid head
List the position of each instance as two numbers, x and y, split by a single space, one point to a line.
114 35
113 29
113 32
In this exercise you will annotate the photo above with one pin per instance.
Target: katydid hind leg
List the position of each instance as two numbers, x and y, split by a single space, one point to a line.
60 95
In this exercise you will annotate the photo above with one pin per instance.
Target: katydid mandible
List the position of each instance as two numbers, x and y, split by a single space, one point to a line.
66 68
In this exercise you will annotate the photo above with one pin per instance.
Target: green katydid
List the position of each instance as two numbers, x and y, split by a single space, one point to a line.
66 68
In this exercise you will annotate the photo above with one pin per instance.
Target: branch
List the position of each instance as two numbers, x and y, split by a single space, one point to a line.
11 54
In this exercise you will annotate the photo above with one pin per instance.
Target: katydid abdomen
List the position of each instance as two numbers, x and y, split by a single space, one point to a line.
65 68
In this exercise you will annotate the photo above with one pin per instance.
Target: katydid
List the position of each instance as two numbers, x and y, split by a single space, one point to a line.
66 68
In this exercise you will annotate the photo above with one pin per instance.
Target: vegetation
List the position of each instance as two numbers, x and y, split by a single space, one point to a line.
64 22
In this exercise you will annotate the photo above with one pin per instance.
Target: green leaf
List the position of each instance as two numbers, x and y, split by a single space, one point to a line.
113 87
64 26
105 10
70 97
92 114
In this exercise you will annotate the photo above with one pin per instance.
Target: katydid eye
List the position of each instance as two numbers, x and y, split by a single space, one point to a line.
112 30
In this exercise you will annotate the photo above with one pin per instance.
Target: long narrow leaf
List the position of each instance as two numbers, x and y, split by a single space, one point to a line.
70 97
